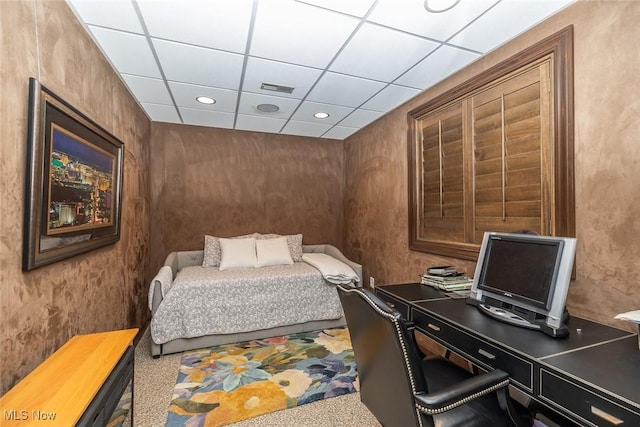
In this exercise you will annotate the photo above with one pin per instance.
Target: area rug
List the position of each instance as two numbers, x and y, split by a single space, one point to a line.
232 382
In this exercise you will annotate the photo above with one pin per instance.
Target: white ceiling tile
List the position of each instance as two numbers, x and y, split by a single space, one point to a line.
411 16
161 113
360 118
193 116
352 7
344 90
119 15
298 33
340 132
305 128
128 53
260 71
259 124
250 101
197 65
307 109
148 90
337 55
435 67
510 17
216 24
186 94
381 53
390 98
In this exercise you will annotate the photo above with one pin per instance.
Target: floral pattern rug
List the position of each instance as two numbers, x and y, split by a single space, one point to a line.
232 382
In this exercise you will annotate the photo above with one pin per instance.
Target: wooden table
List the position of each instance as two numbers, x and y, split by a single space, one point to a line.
73 379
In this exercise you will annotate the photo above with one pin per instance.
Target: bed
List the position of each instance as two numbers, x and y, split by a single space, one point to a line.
194 306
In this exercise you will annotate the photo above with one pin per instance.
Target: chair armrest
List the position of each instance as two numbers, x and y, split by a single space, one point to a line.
157 296
462 392
411 325
159 286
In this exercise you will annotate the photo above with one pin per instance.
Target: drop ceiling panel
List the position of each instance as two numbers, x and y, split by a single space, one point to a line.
217 24
249 105
161 113
186 94
357 8
300 34
411 16
197 65
259 124
360 118
260 71
510 17
148 90
118 15
390 98
307 109
340 132
441 63
381 53
305 129
129 53
371 55
344 90
193 116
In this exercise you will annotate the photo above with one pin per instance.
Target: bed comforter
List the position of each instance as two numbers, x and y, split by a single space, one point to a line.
206 301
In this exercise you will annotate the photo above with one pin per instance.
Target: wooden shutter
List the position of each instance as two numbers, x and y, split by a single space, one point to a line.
442 184
495 153
512 164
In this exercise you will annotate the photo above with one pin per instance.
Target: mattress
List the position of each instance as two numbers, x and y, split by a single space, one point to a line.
206 301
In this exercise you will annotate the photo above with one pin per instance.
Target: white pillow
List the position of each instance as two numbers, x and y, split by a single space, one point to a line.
273 252
238 253
294 242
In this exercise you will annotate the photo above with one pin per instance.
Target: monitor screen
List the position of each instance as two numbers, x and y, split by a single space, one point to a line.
521 268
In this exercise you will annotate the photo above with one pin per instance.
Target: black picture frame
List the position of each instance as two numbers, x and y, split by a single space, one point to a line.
73 193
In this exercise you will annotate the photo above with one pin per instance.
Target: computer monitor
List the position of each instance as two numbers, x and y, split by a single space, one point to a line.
523 279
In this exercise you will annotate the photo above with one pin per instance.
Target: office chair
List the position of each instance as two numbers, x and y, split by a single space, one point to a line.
402 388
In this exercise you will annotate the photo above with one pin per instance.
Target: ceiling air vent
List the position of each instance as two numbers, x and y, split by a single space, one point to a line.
277 88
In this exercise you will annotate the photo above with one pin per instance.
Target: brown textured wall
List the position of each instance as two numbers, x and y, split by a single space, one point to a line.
225 183
607 107
101 290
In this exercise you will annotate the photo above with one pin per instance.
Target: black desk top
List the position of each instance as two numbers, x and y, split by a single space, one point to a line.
593 366
529 342
413 292
596 355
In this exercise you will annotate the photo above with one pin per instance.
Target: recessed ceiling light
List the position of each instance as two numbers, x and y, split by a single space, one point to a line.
268 108
439 6
205 100
321 115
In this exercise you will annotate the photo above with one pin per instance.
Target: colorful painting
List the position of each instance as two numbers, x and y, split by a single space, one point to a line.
81 184
74 182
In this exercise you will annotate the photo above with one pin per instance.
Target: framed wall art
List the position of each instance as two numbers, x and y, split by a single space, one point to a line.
73 182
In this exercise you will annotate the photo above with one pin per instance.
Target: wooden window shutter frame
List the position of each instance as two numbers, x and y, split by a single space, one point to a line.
558 47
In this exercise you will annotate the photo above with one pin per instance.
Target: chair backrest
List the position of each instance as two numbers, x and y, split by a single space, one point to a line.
389 369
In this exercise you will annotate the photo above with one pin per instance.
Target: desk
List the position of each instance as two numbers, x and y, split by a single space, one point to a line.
592 377
79 385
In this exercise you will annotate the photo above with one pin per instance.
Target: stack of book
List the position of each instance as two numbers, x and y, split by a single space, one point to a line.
446 278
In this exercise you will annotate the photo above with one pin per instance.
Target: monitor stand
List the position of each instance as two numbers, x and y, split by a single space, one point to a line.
507 316
503 314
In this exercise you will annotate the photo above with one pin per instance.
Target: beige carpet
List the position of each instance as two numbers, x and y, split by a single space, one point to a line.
155 379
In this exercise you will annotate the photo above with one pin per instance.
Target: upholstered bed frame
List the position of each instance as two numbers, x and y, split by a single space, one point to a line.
179 260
